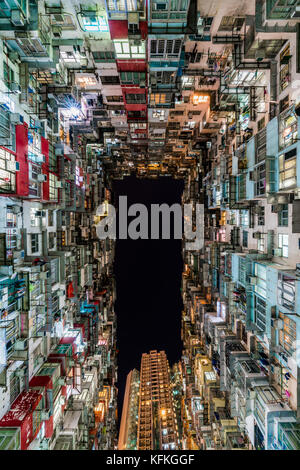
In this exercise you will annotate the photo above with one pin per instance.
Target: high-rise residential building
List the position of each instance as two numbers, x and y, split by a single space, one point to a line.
129 419
157 422
206 91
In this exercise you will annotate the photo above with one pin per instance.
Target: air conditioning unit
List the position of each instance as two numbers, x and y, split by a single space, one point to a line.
277 252
59 184
136 42
44 275
59 151
296 12
260 54
278 324
257 209
19 254
21 345
16 209
45 415
57 31
133 21
20 373
40 158
13 56
17 18
277 208
15 118
42 178
61 381
257 235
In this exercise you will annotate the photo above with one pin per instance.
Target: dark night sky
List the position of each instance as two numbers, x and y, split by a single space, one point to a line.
148 281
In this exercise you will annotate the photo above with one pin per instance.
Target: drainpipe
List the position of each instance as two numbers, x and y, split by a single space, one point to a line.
273 82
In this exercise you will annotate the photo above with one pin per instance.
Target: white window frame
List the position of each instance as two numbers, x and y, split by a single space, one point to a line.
283 243
125 50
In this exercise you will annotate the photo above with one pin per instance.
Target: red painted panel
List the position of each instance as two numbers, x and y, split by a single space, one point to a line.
58 358
41 381
45 167
22 176
118 29
144 29
82 327
132 65
136 107
49 427
133 89
70 290
20 416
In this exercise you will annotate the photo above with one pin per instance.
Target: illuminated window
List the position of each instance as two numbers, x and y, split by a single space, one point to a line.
288 335
158 98
288 129
283 243
187 82
11 218
287 169
200 99
95 23
53 191
86 81
211 376
7 172
137 125
34 184
126 50
261 244
34 220
124 5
